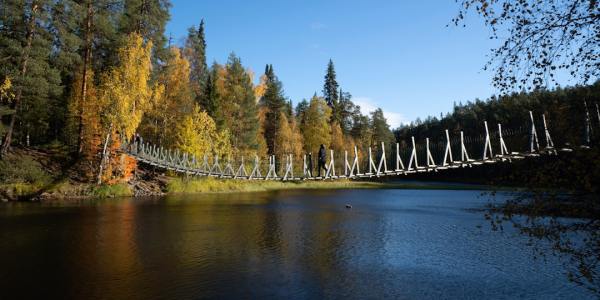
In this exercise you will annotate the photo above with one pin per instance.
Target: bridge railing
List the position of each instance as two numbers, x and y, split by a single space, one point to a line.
448 150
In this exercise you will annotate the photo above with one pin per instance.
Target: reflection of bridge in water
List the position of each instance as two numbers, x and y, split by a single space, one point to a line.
489 148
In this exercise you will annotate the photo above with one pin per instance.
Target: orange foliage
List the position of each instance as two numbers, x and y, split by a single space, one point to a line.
120 166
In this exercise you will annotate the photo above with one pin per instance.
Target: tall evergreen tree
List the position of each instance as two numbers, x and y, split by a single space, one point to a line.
84 33
195 52
274 102
361 128
343 111
380 129
25 46
147 18
301 108
330 88
238 106
211 101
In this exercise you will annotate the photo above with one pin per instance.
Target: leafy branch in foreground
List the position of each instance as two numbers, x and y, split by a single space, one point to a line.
568 219
540 40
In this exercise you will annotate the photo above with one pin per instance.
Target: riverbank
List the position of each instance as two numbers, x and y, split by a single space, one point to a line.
45 174
68 189
213 185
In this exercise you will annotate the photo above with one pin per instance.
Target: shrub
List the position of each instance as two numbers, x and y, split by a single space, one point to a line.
115 190
22 169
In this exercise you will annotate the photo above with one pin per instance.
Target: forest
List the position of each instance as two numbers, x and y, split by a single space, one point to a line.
566 110
88 76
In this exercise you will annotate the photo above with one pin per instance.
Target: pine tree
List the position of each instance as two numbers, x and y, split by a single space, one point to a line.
380 129
330 88
215 91
343 111
361 129
195 52
83 35
25 46
274 102
238 109
301 108
147 18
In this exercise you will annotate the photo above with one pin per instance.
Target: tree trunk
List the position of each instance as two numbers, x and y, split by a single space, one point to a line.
103 159
86 61
25 58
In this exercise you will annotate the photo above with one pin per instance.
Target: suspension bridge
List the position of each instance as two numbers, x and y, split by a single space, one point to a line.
448 153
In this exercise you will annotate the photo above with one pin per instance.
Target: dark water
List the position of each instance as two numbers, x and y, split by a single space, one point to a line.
398 244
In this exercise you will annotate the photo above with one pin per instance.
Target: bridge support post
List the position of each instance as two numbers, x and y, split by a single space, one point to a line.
413 156
256 170
289 167
163 155
588 125
488 144
382 161
430 161
372 165
272 172
228 171
464 155
533 138
205 166
549 143
399 163
241 170
448 152
346 164
503 149
217 167
330 167
306 170
355 164
598 113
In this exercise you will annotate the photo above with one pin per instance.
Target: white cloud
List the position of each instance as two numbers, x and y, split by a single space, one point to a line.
368 105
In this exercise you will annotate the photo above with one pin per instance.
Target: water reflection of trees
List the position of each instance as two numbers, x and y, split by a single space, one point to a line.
569 223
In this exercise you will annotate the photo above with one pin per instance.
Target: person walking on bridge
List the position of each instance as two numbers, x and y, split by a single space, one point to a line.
322 159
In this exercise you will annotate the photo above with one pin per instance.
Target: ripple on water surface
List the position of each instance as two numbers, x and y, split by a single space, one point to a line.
412 244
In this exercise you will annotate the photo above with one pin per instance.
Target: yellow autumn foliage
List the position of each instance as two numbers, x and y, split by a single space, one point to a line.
5 90
197 135
125 88
288 138
171 103
261 87
91 139
316 129
262 148
337 138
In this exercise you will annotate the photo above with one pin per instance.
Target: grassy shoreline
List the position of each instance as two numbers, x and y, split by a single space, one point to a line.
204 185
37 175
213 185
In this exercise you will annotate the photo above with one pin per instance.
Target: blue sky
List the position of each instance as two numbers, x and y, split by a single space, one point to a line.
396 55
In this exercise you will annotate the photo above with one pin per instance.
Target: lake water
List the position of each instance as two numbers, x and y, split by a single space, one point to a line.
394 244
